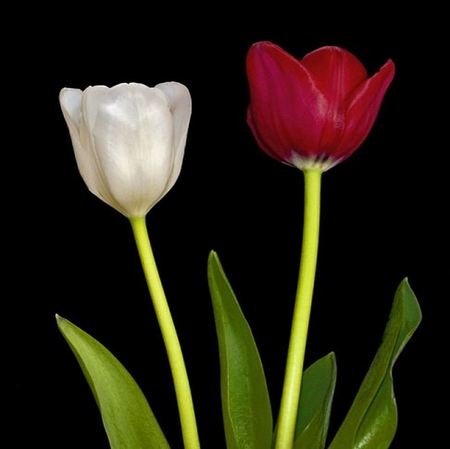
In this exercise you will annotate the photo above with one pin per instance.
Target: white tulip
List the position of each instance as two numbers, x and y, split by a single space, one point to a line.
128 140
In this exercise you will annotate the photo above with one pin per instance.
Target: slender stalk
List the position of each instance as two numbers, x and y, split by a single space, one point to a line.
171 341
299 331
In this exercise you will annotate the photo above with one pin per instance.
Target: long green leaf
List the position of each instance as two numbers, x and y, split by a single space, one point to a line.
128 420
371 422
246 406
316 398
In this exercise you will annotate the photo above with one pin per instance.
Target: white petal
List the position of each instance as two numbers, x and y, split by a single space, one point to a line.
70 101
71 105
180 104
132 132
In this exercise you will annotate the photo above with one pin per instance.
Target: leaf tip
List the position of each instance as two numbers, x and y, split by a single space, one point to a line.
59 320
212 255
213 261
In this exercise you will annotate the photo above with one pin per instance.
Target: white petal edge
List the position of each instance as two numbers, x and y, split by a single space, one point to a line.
180 103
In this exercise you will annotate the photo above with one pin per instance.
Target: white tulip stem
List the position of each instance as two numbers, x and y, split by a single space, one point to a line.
171 341
290 398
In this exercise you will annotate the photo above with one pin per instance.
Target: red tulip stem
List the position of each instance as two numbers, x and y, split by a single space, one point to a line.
299 331
169 333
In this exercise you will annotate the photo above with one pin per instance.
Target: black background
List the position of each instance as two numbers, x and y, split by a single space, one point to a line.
68 253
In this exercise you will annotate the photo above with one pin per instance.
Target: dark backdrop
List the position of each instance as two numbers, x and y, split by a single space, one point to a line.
68 253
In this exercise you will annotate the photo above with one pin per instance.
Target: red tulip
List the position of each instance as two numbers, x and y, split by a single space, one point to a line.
314 112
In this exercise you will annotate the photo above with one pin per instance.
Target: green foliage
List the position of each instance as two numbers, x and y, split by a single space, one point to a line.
316 397
128 420
371 422
246 406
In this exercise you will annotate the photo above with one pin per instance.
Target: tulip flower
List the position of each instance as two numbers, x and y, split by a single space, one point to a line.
314 112
311 114
129 145
128 140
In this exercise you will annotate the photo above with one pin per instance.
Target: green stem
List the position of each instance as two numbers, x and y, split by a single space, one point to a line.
171 341
299 331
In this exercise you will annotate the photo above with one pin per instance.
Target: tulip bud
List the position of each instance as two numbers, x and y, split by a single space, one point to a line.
128 140
314 112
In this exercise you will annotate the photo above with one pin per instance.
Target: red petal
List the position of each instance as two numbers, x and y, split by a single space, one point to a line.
336 71
363 109
287 109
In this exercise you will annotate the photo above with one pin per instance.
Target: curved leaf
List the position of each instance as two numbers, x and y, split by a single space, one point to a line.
128 420
371 422
246 406
316 398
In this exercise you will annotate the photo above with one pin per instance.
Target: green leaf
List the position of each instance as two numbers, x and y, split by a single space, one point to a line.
371 422
246 405
128 420
316 398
